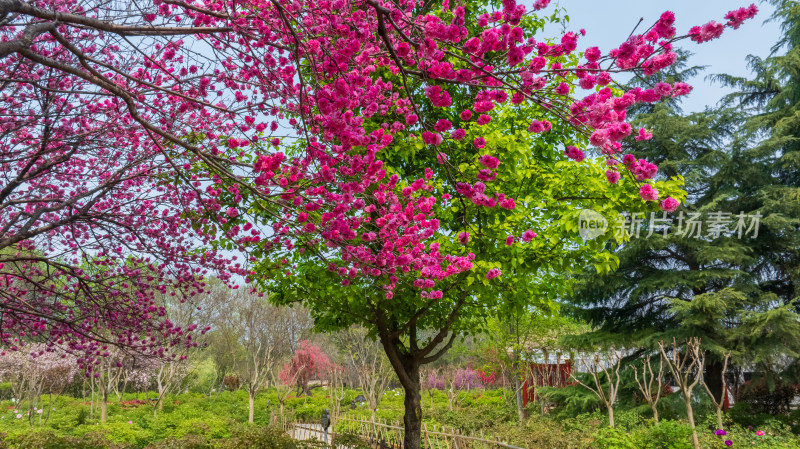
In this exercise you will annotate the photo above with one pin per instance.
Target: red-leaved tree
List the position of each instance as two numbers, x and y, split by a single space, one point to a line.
308 363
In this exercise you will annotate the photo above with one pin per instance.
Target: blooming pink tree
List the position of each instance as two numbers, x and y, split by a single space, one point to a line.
35 372
307 364
140 139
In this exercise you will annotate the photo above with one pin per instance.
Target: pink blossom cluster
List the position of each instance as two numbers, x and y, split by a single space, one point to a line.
129 181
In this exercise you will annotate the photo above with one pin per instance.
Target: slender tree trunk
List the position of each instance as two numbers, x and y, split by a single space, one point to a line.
610 415
252 404
719 418
412 419
690 417
517 386
104 406
655 412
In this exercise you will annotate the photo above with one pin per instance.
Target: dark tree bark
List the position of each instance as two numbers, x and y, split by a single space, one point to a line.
713 378
407 355
412 418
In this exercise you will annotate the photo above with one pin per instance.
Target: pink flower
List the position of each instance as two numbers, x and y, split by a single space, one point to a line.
528 235
431 138
493 273
510 240
536 127
592 54
648 193
562 89
483 106
479 142
737 17
130 422
612 176
466 115
443 125
484 119
411 119
458 134
489 161
232 212
19 415
540 4
707 32
760 433
574 153
644 135
463 238
669 204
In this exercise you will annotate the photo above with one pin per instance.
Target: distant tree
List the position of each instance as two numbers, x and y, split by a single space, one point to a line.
686 366
308 362
366 357
603 367
651 382
252 335
34 370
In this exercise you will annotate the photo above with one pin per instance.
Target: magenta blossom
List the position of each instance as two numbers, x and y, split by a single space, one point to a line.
489 161
648 193
493 273
528 235
669 204
574 153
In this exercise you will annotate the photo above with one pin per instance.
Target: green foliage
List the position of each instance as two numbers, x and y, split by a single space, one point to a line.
350 440
667 434
194 421
612 438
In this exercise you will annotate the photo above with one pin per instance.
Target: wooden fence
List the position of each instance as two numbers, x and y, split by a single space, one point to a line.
385 435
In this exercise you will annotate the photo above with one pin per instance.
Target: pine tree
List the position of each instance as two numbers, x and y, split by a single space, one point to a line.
736 294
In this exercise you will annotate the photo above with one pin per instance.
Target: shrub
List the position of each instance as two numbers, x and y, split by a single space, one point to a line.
666 434
610 438
350 441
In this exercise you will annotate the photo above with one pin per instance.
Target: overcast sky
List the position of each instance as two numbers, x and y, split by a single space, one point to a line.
609 22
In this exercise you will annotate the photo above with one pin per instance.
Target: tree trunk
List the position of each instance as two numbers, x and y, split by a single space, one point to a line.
610 415
713 379
517 386
412 419
252 404
690 417
719 418
655 412
104 406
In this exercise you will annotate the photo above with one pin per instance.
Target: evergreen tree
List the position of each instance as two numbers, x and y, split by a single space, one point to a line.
736 292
